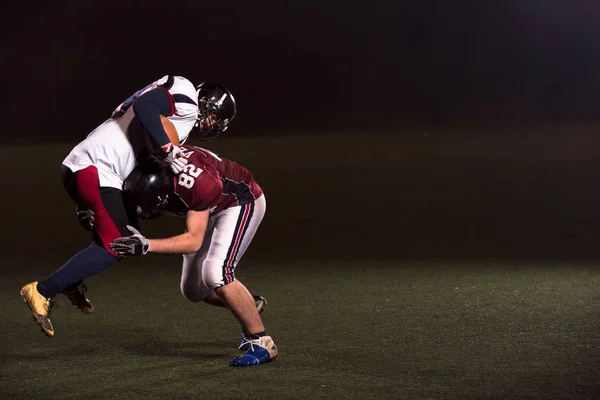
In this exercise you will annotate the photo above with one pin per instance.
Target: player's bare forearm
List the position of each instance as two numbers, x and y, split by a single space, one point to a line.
180 244
188 242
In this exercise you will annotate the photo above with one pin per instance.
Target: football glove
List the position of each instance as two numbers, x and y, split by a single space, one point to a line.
170 149
172 159
85 218
177 164
134 245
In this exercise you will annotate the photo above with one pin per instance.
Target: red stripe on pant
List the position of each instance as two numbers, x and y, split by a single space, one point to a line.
88 189
238 239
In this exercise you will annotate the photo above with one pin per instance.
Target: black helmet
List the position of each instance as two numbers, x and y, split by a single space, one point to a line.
148 188
214 99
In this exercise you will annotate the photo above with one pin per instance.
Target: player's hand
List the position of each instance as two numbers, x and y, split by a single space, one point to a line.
177 164
134 245
172 159
85 218
170 149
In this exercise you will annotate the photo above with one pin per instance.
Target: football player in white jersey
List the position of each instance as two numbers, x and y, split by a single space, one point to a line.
156 119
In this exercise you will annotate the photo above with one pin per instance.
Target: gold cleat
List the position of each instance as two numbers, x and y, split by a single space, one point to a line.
40 307
79 299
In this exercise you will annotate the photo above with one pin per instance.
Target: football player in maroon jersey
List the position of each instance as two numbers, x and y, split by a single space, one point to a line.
223 207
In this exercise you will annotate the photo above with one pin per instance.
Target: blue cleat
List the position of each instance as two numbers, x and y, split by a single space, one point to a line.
244 341
260 351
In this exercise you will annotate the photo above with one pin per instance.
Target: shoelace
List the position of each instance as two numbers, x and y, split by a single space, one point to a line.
243 340
251 342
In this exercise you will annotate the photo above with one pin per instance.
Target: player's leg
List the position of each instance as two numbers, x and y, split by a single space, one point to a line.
234 230
112 201
113 204
240 302
110 221
193 287
216 253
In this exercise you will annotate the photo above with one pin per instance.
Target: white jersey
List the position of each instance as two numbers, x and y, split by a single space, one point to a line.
113 146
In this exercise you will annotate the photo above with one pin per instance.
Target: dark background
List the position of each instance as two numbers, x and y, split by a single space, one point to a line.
305 66
431 172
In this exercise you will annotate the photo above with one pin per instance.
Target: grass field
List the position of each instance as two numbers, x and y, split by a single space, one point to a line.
438 266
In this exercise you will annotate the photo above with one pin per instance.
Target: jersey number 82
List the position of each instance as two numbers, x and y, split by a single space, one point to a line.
187 178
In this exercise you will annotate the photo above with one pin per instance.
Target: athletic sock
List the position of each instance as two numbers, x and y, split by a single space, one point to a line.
258 335
86 263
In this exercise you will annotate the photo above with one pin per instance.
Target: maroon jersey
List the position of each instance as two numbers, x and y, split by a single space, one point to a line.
209 181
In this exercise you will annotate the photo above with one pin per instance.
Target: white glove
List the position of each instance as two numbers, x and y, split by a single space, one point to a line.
170 150
173 160
177 164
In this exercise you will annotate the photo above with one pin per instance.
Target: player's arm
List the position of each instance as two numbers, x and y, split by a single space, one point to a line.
209 188
188 242
195 221
152 109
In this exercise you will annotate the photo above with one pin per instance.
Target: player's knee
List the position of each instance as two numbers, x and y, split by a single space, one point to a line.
194 293
191 295
109 251
98 241
216 280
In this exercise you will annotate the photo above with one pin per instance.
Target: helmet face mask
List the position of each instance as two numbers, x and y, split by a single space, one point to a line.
216 109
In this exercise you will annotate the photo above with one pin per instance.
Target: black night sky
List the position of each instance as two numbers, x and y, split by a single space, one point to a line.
305 66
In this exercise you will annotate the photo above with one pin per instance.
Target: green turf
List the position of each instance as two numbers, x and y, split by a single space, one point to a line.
465 268
376 330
